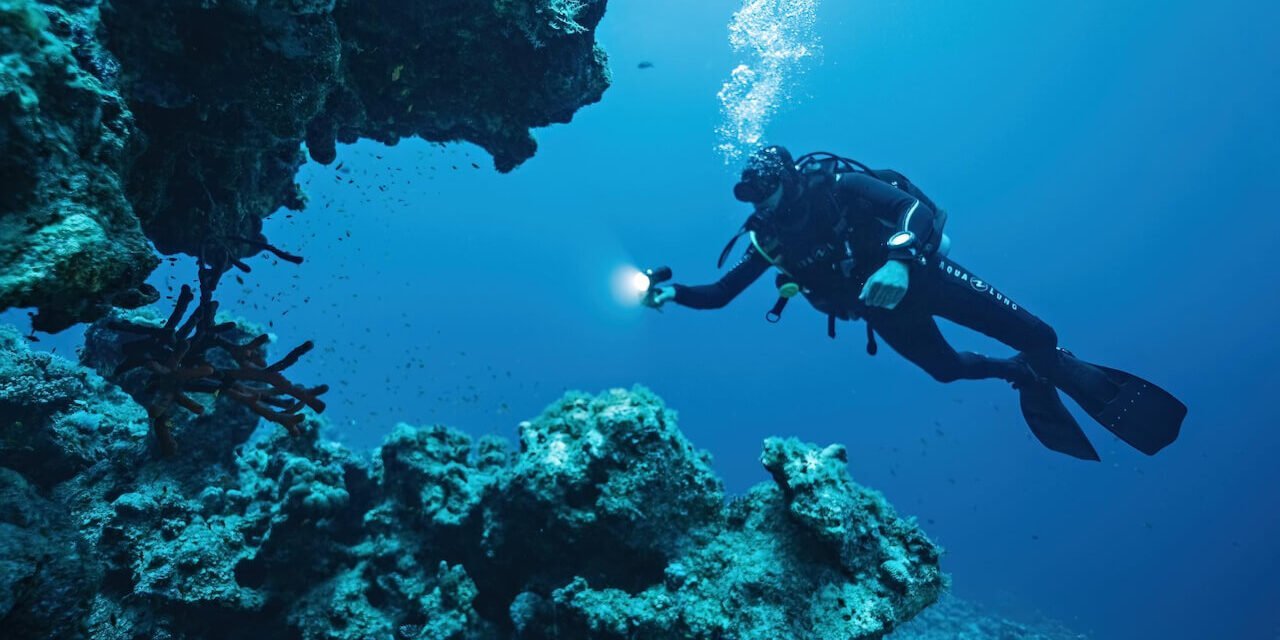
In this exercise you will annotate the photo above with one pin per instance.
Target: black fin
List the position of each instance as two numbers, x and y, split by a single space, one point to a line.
1143 415
1052 424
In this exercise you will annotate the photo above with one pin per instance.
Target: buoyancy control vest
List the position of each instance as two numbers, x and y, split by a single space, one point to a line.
829 258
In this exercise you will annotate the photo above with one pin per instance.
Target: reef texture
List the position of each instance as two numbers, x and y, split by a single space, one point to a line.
185 119
605 523
955 619
69 241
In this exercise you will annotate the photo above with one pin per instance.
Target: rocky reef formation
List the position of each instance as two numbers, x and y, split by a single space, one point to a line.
184 120
605 522
955 619
69 241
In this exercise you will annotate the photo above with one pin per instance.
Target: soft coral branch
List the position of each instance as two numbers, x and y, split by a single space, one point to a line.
179 358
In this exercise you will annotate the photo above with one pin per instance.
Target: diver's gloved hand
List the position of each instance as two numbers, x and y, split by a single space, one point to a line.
887 286
658 297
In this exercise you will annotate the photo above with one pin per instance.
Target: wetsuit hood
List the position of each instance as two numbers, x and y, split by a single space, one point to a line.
765 171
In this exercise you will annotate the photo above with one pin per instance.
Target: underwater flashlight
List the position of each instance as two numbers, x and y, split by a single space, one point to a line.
640 282
646 284
646 280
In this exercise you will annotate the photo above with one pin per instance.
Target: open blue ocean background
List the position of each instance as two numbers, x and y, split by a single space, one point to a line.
1114 166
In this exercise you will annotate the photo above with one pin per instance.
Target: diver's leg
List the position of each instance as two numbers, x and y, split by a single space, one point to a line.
914 335
952 292
1138 412
958 295
911 330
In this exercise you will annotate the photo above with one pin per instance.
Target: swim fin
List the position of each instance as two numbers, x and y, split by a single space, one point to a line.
1141 414
1051 423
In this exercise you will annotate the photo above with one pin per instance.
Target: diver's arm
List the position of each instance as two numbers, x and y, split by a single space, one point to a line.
897 208
713 296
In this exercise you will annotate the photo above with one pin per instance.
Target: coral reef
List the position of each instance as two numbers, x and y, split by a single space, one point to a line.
605 523
48 573
185 119
201 355
955 619
57 419
69 241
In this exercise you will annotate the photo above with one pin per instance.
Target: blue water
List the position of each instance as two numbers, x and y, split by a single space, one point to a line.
1114 166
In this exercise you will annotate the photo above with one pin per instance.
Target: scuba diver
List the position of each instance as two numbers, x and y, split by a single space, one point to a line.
867 244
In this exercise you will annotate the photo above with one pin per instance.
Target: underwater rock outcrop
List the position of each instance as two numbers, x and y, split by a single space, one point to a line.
185 119
69 241
605 523
48 573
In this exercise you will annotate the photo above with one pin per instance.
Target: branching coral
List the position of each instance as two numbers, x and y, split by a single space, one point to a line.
196 355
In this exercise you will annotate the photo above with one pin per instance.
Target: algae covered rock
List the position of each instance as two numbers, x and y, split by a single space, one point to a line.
485 75
606 475
435 473
48 574
225 93
70 244
768 572
186 119
214 547
855 523
58 419
605 522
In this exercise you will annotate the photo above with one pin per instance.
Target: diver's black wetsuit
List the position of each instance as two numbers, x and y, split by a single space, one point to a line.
826 224
937 287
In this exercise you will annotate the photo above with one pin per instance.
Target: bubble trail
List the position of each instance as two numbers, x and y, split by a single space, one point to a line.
775 37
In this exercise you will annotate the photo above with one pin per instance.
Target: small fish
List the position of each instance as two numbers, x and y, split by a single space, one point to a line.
645 64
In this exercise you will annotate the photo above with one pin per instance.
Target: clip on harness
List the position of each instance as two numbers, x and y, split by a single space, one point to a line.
872 347
787 290
829 164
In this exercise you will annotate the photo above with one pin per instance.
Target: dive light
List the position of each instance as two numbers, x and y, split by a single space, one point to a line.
646 281
646 284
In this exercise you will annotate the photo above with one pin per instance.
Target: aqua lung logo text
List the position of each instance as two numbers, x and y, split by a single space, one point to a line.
978 284
817 255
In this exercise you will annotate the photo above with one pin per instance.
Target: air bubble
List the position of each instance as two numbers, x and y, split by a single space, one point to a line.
776 37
